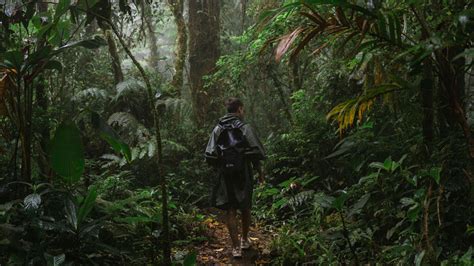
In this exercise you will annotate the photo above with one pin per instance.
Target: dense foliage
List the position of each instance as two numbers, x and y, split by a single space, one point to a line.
365 109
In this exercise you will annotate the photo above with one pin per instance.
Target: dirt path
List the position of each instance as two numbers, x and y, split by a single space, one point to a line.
217 250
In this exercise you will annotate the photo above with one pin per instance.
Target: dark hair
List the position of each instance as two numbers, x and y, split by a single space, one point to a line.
232 104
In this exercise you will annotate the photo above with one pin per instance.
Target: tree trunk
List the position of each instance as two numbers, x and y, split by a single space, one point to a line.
427 99
449 79
42 100
427 102
177 7
203 54
243 12
116 67
459 65
147 15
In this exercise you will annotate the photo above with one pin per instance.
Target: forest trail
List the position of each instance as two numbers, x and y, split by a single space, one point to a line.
217 249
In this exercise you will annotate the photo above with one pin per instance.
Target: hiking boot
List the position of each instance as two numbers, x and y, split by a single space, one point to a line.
237 253
244 243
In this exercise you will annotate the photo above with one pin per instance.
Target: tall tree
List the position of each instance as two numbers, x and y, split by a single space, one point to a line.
427 97
203 53
43 104
107 15
177 7
147 16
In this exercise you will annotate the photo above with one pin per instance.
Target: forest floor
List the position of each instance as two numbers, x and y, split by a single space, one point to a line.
217 250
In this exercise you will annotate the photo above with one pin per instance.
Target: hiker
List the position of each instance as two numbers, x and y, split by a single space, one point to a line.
234 150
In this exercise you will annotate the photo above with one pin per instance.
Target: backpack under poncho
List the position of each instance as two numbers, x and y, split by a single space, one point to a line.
231 146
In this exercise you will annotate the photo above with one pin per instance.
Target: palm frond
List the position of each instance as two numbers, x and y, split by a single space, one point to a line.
345 113
385 27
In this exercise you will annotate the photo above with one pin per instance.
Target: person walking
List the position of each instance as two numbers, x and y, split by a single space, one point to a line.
235 151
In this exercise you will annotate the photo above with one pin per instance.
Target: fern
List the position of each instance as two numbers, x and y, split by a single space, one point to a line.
171 146
176 109
180 106
112 160
144 149
93 98
301 198
129 88
125 122
87 94
32 201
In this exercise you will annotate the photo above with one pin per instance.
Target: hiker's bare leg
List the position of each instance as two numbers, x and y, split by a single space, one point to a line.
232 226
246 220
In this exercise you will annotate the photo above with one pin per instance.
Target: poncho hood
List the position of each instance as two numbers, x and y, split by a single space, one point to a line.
229 118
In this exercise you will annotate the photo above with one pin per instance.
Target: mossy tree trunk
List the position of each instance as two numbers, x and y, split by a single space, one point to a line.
203 55
113 51
147 15
116 67
177 7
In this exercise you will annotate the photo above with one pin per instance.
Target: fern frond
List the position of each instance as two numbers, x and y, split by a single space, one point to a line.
129 127
112 160
91 95
301 198
171 146
123 119
178 106
129 87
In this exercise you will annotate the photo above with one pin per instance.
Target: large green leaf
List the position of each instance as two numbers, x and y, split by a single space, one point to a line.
94 43
435 173
338 202
87 205
71 212
13 59
86 4
357 207
61 8
419 258
38 56
67 152
190 259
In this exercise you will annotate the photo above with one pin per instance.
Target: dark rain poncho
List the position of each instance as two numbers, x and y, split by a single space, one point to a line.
234 191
